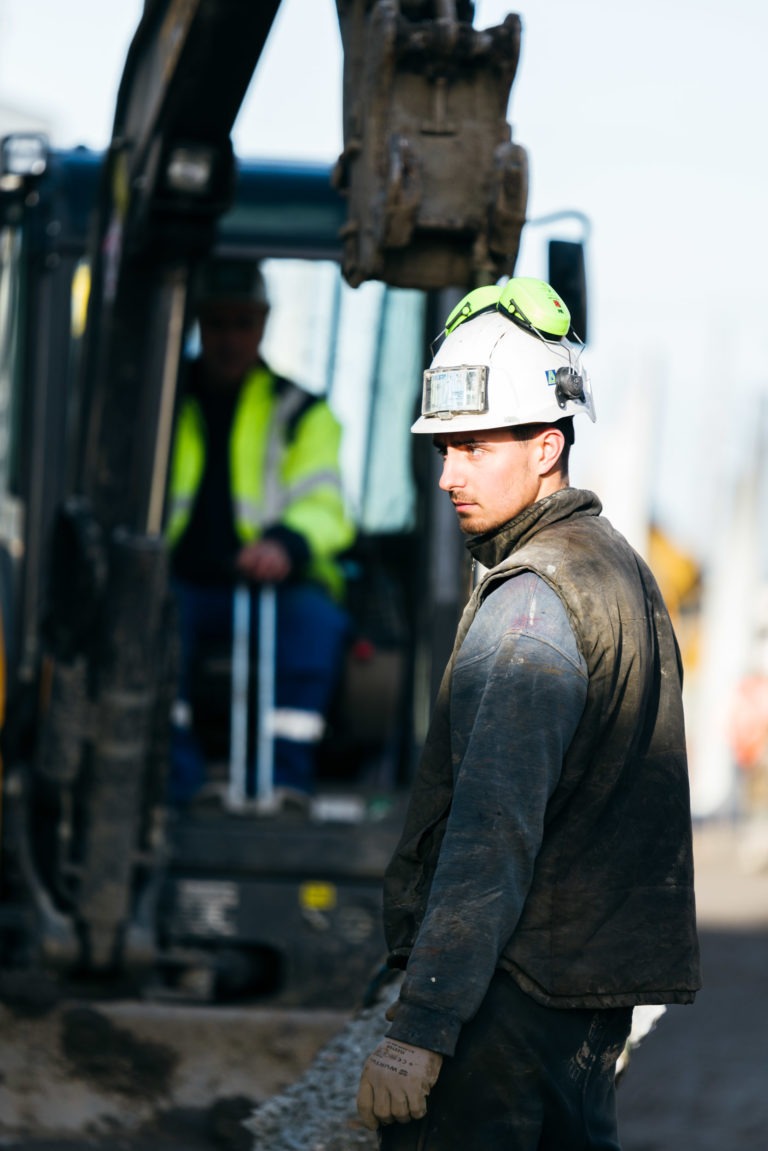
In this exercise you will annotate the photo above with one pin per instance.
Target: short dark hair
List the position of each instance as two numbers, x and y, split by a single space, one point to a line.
564 425
222 278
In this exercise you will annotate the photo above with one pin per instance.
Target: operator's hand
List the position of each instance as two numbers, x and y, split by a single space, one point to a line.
395 1083
265 561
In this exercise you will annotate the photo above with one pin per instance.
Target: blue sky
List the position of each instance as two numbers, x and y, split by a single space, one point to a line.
646 119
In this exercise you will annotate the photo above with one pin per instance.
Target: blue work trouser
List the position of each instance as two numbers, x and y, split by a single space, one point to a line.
311 632
523 1078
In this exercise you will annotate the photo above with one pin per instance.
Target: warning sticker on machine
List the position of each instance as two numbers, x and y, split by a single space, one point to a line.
315 895
208 907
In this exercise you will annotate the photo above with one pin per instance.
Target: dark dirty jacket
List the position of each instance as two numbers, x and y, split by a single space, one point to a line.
609 916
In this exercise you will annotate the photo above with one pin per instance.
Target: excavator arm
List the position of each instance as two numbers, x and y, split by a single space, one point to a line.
167 176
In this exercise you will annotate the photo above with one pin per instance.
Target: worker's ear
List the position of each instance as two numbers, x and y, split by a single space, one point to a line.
550 442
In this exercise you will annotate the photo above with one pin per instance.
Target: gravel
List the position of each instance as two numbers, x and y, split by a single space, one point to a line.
318 1111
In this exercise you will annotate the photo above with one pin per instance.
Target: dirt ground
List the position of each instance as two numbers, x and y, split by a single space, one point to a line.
698 1082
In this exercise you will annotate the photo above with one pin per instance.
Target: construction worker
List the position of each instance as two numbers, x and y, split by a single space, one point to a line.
543 883
255 498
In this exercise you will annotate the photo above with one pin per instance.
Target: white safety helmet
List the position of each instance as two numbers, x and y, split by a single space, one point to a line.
505 360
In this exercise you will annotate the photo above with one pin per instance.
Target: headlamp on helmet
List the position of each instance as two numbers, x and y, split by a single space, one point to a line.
452 390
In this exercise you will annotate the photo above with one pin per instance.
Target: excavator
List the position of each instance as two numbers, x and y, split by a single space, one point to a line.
103 889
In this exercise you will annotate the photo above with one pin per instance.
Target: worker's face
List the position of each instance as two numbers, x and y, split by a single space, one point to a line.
491 477
230 333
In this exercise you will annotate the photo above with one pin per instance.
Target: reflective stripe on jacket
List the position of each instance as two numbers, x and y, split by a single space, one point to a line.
284 467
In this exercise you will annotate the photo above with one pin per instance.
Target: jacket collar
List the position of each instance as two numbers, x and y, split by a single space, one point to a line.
491 547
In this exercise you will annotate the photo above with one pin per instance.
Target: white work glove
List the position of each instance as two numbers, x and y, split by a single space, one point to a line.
395 1083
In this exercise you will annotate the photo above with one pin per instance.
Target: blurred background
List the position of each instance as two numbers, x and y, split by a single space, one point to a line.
643 128
646 124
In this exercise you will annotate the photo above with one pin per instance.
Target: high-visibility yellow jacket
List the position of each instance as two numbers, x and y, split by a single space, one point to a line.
284 468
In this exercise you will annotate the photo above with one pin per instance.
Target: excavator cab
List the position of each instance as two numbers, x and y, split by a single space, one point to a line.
220 904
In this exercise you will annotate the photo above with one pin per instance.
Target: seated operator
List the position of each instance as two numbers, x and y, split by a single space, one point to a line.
255 497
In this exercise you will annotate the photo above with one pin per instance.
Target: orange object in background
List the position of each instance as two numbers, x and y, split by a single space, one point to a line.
748 728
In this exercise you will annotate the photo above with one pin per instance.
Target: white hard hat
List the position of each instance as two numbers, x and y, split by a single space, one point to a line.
492 371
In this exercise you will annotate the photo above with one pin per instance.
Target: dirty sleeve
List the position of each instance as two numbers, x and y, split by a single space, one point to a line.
518 691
